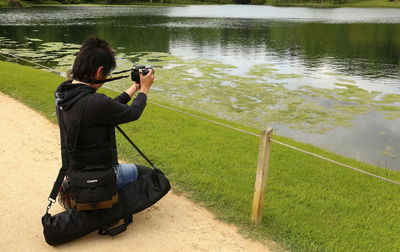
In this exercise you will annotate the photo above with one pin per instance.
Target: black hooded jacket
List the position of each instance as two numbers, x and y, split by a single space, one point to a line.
91 140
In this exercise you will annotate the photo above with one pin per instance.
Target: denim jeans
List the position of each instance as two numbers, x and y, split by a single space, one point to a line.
125 173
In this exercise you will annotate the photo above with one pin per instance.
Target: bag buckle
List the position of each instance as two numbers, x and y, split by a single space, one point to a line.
51 201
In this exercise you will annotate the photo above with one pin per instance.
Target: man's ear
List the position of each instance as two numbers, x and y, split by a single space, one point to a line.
100 73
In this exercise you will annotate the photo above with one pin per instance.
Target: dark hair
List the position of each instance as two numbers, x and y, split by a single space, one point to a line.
94 52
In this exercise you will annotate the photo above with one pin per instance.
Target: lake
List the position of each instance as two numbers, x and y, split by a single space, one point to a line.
329 77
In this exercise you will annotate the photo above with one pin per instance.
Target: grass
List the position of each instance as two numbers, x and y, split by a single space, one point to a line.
311 205
373 4
3 3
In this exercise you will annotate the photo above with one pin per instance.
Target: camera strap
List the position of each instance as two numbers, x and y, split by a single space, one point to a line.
135 146
91 81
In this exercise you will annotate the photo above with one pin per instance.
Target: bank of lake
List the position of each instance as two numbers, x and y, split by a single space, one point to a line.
291 3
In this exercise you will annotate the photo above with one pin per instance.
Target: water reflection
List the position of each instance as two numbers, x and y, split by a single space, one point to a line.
90 15
372 141
295 14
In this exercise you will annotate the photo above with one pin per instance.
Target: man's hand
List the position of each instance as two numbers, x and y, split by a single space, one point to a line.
146 81
132 89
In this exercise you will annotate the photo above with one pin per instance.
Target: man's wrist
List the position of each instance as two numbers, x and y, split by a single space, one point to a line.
144 90
131 90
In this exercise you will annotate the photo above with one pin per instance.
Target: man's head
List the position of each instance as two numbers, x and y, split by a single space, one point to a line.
95 60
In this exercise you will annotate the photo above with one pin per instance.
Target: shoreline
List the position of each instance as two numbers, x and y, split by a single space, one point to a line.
362 4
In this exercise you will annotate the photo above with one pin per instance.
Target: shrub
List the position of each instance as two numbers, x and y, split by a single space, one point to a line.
70 1
16 3
259 2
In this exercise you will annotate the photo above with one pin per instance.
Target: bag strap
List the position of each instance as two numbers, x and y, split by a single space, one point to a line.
114 151
127 215
103 230
134 146
64 167
64 154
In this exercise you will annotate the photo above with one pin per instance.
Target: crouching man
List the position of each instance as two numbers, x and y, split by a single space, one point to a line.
97 190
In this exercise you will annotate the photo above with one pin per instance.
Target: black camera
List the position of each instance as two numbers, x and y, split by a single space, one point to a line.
135 72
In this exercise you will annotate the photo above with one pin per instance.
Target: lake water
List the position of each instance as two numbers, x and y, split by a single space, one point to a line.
329 77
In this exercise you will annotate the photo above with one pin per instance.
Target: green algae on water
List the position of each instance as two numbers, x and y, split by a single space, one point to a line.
258 99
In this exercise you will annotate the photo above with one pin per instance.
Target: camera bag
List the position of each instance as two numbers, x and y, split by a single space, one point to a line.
135 197
93 188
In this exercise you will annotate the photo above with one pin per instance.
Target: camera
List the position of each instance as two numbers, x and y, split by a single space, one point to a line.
135 72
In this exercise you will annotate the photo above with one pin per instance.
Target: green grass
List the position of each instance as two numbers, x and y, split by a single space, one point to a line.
3 3
311 205
373 4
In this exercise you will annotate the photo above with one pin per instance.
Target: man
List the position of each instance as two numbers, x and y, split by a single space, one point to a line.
88 118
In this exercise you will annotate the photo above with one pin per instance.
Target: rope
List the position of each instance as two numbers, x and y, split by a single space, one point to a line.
31 62
234 128
335 162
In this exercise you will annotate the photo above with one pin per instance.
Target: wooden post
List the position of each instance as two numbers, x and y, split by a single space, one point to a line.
261 176
68 75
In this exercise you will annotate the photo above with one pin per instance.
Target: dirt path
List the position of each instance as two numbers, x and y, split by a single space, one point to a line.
29 162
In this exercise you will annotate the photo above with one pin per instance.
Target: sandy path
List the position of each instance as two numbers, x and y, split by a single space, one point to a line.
29 162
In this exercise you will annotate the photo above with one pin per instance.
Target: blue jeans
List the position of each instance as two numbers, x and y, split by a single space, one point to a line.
125 173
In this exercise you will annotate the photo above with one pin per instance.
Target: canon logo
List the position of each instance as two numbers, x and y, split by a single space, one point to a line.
91 181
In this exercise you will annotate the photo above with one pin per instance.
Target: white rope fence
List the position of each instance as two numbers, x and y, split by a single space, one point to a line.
31 62
228 126
275 141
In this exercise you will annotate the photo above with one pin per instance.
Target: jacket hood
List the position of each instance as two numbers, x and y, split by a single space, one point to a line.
67 94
